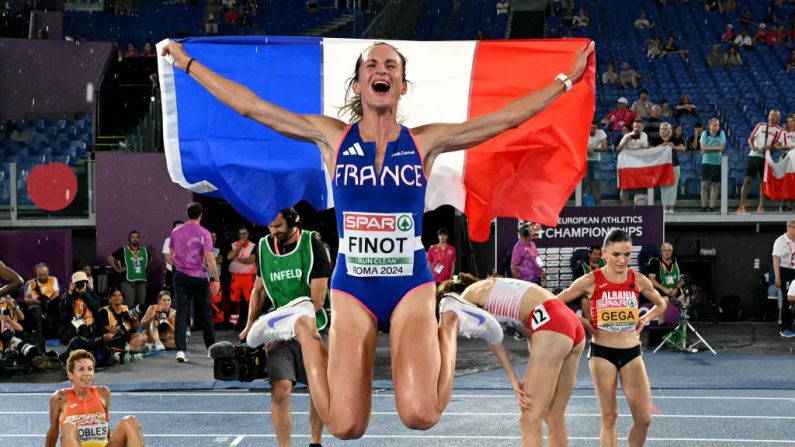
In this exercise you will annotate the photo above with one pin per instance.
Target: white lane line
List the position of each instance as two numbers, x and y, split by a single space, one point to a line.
237 441
576 438
455 396
447 413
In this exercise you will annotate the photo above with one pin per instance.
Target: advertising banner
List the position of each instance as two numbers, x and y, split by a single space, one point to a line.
580 228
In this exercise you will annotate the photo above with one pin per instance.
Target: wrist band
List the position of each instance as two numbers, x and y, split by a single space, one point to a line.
187 67
565 80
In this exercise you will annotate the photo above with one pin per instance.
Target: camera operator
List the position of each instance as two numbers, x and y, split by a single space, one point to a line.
158 322
120 326
78 309
10 344
287 251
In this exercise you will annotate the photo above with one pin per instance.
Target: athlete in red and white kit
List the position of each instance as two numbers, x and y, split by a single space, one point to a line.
615 353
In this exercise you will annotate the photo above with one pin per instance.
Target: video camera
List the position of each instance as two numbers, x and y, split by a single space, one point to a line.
238 362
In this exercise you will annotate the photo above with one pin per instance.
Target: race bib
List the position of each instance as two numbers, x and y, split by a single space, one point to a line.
617 314
92 429
378 244
540 317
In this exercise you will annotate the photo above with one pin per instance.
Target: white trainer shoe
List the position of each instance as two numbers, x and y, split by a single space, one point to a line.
181 357
280 324
474 321
159 346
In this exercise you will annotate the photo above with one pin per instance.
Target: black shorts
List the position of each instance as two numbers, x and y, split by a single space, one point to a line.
755 167
285 362
618 357
710 173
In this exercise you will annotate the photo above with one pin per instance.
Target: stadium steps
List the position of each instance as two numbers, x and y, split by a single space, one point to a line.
330 27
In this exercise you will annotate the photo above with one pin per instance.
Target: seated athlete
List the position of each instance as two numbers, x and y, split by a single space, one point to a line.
158 322
81 414
554 334
615 351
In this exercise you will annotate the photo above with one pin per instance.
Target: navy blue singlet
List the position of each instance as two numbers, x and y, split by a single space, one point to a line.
379 221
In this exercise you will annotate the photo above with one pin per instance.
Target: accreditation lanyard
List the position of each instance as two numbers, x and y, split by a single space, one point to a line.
276 243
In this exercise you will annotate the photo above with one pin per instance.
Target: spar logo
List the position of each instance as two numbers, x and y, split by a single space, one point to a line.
378 222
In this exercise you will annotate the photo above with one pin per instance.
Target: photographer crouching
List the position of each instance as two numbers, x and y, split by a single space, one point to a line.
14 350
158 322
291 264
121 327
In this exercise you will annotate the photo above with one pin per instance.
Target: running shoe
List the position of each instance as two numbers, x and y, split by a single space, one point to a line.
181 357
474 321
280 324
787 334
159 346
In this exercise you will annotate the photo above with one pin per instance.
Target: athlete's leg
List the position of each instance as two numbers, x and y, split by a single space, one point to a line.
127 434
556 414
550 349
315 425
280 411
423 357
604 376
635 384
69 436
341 377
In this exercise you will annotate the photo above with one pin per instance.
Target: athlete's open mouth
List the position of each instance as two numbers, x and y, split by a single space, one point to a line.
381 86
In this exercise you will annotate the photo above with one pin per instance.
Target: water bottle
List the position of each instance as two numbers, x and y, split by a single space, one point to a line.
187 336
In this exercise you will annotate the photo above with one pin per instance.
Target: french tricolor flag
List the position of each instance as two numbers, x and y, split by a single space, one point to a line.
645 168
779 180
528 172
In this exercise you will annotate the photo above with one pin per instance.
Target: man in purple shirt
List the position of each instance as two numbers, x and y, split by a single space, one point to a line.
525 263
191 249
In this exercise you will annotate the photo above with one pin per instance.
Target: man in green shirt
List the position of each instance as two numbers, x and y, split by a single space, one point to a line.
291 263
130 262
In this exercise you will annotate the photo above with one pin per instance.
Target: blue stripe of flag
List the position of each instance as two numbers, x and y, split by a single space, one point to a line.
258 171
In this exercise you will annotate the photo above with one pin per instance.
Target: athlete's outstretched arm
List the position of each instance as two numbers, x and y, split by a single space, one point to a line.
321 130
439 138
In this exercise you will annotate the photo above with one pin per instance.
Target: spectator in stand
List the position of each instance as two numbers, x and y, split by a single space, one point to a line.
637 139
441 258
642 106
652 125
716 57
713 5
624 130
744 40
211 18
729 34
610 77
671 47
665 109
747 19
791 62
654 48
668 194
694 142
230 17
712 143
158 322
131 52
581 19
41 298
642 22
685 107
733 57
78 309
620 116
783 258
148 50
628 77
776 36
761 35
765 137
789 134
679 136
597 143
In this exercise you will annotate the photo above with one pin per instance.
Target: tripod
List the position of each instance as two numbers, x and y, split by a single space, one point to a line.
677 339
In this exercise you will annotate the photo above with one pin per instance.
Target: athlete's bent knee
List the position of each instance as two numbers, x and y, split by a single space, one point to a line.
280 392
347 429
130 421
417 419
609 420
642 421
